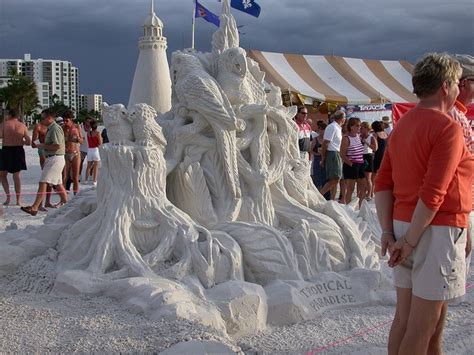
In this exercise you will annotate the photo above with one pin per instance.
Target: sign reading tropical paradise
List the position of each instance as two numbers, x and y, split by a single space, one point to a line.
329 294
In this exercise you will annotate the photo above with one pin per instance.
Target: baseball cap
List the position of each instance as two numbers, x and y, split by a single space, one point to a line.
59 120
467 64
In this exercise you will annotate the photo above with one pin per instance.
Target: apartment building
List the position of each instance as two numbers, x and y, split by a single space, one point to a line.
91 102
53 77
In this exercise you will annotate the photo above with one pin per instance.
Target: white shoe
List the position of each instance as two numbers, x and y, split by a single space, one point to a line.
94 183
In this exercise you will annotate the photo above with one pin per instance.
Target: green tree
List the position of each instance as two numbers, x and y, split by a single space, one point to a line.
58 106
20 94
81 115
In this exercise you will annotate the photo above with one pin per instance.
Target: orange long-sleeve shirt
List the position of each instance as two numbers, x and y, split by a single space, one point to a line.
427 159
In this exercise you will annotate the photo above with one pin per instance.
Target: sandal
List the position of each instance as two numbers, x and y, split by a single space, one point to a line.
28 210
42 209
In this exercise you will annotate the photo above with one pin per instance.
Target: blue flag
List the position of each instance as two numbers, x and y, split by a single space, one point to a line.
248 6
207 15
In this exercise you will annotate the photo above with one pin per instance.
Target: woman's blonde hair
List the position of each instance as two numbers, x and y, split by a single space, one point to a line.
434 69
365 125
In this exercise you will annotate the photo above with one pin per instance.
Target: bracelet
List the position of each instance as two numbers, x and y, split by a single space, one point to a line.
406 241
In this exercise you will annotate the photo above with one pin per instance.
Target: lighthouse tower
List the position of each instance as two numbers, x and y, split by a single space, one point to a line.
152 82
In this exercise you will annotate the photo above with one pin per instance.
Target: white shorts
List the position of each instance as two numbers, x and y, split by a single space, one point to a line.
436 268
93 154
53 170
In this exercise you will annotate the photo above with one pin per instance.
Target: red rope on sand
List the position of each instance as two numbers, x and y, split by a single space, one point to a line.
359 333
342 341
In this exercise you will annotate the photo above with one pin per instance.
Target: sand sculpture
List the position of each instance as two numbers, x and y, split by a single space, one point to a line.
207 212
151 81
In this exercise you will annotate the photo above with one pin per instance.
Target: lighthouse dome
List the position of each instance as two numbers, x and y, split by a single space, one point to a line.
153 20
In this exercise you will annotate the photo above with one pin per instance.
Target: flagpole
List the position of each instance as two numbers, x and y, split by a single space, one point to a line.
194 23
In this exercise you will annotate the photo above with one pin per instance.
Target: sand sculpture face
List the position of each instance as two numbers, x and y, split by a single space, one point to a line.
210 199
119 129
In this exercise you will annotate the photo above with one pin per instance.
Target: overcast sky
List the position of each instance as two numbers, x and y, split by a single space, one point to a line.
100 37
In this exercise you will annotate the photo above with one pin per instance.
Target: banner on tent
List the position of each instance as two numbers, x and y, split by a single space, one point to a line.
368 107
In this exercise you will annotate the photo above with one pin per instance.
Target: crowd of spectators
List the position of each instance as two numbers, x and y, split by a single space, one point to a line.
62 147
345 154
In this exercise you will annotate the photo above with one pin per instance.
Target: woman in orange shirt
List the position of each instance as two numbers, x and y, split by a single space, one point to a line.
423 199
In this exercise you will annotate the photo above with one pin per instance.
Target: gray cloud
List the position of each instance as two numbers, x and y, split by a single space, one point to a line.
100 36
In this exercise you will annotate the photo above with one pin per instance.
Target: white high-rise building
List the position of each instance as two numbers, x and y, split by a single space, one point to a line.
52 77
91 102
152 81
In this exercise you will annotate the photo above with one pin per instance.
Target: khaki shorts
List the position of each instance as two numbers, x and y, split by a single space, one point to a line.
436 268
53 170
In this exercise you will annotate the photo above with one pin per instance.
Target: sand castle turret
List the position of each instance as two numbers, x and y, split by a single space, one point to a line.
152 82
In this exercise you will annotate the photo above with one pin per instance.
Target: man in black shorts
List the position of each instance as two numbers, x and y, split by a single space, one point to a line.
12 156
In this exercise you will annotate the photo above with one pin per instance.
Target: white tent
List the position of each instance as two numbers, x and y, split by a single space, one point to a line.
339 80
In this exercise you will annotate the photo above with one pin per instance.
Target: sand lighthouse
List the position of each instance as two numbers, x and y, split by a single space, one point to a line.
152 82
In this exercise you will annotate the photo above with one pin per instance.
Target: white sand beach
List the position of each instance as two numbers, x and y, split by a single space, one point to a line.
35 319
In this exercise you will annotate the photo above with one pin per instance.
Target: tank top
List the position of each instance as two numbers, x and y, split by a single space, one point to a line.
366 142
93 142
355 150
381 148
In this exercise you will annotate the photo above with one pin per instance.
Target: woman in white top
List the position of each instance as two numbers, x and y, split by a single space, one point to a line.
370 146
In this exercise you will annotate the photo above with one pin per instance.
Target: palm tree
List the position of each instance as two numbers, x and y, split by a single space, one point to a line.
58 106
20 94
81 115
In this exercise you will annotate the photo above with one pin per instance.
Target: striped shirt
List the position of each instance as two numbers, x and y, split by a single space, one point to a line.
355 150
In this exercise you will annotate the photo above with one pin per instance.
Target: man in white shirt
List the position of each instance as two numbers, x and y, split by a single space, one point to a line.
387 125
330 156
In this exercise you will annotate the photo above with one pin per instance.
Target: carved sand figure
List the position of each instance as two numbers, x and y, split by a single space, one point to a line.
119 129
275 187
196 90
207 204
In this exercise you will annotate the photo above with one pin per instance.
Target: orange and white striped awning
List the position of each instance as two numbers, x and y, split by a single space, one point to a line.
340 80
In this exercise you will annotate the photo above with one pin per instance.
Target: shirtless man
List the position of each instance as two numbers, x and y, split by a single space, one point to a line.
12 156
39 132
73 138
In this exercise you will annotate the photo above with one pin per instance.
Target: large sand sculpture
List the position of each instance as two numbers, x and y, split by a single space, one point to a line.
207 212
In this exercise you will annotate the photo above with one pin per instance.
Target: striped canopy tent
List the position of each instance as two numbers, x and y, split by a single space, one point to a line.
338 80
